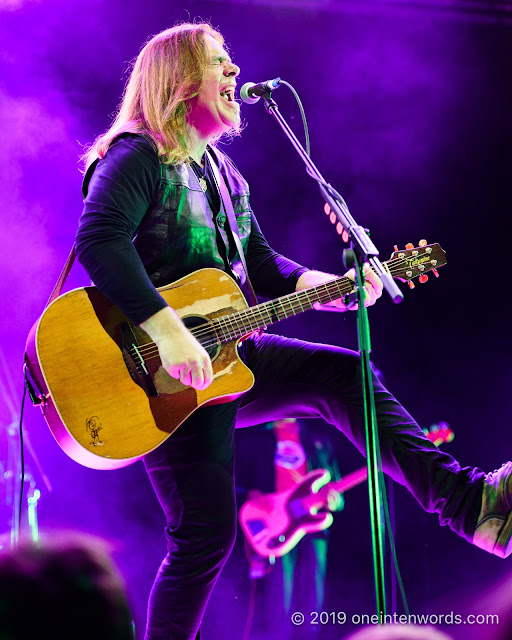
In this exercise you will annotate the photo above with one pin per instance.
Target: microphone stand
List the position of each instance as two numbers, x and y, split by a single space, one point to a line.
363 250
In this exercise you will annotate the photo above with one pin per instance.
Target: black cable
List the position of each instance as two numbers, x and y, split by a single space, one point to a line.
302 113
22 457
326 185
252 607
391 540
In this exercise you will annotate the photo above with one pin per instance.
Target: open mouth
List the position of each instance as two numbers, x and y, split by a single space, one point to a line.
228 94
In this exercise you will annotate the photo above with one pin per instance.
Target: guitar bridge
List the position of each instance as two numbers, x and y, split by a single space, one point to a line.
134 359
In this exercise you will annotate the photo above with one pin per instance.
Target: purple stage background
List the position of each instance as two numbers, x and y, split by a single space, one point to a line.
410 119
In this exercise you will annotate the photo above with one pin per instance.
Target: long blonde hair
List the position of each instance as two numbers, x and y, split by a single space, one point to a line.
167 73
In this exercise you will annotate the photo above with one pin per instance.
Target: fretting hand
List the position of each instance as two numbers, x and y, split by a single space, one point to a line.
372 288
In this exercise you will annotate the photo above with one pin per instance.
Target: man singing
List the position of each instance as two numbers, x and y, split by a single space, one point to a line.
153 214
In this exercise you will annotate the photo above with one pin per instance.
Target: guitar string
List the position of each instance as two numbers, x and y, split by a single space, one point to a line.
227 329
240 323
150 351
220 323
248 320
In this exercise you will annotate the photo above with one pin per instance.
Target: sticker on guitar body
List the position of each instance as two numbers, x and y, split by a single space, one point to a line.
93 426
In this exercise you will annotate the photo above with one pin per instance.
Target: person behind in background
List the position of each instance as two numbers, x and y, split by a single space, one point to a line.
62 588
274 458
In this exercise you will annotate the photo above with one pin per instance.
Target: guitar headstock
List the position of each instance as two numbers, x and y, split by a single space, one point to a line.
411 262
439 433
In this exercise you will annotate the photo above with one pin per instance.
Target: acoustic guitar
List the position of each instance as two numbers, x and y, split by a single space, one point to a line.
102 389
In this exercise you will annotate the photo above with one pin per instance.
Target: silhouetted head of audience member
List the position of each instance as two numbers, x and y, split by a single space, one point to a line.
399 632
66 587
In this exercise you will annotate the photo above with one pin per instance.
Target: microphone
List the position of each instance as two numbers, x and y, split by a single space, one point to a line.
251 92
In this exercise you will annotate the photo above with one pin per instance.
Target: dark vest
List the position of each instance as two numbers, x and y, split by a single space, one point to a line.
178 234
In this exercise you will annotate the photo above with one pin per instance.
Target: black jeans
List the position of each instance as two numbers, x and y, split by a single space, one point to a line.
192 472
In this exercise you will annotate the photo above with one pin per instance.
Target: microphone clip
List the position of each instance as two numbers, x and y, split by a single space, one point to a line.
252 92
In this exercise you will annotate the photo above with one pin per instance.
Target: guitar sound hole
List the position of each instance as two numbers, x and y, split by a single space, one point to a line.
203 330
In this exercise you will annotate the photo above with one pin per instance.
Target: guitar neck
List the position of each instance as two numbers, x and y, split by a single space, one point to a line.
350 481
403 265
240 324
319 499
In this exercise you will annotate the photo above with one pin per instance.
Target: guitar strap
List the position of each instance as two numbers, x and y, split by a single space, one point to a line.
230 215
62 278
40 397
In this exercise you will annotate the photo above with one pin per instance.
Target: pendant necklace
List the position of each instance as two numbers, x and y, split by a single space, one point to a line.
200 175
202 181
203 185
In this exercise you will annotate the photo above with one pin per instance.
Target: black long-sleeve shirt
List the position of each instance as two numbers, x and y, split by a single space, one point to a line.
117 196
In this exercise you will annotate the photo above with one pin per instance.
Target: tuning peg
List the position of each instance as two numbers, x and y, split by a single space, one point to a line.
411 284
395 248
423 278
435 272
422 243
409 245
